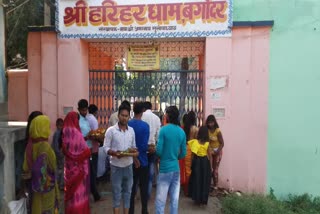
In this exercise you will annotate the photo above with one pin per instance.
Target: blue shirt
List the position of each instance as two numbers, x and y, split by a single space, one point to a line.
171 147
142 132
85 129
56 144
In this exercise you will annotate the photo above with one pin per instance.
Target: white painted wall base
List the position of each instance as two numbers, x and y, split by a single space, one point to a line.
8 136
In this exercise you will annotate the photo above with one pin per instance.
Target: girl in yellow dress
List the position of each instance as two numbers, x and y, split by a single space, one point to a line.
216 145
200 179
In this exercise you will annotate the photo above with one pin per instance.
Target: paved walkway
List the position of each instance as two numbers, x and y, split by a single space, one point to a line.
186 205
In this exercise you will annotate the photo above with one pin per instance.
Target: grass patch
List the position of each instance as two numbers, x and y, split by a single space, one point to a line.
252 204
259 204
303 204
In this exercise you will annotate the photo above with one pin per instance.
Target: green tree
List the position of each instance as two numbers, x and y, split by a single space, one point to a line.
19 16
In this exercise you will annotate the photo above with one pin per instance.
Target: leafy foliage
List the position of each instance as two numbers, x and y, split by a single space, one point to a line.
303 204
136 84
259 204
252 204
18 18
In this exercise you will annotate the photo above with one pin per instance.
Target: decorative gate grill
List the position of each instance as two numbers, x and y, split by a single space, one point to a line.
179 81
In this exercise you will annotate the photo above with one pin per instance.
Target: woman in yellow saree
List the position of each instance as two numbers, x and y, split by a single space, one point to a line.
40 167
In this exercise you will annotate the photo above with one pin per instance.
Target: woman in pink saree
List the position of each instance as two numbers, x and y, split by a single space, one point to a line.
76 167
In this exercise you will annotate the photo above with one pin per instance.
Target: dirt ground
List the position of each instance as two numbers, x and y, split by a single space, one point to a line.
186 205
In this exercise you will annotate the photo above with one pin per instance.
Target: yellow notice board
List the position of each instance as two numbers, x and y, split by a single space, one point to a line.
143 57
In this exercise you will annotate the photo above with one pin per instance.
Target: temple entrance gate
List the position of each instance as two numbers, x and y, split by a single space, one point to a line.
178 82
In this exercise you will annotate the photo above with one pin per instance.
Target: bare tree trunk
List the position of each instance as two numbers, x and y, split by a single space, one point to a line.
47 14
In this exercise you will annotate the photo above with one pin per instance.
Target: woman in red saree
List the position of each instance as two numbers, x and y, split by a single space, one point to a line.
76 167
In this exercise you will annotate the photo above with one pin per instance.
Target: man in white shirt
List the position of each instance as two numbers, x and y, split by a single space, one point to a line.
154 124
92 117
94 125
85 129
113 120
120 144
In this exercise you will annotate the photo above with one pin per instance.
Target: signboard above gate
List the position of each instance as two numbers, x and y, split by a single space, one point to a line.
143 57
144 18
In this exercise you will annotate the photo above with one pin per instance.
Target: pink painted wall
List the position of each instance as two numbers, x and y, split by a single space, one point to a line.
56 67
42 81
58 78
34 68
49 81
73 73
244 60
18 95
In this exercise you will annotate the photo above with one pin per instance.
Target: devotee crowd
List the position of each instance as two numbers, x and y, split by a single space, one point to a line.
137 153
